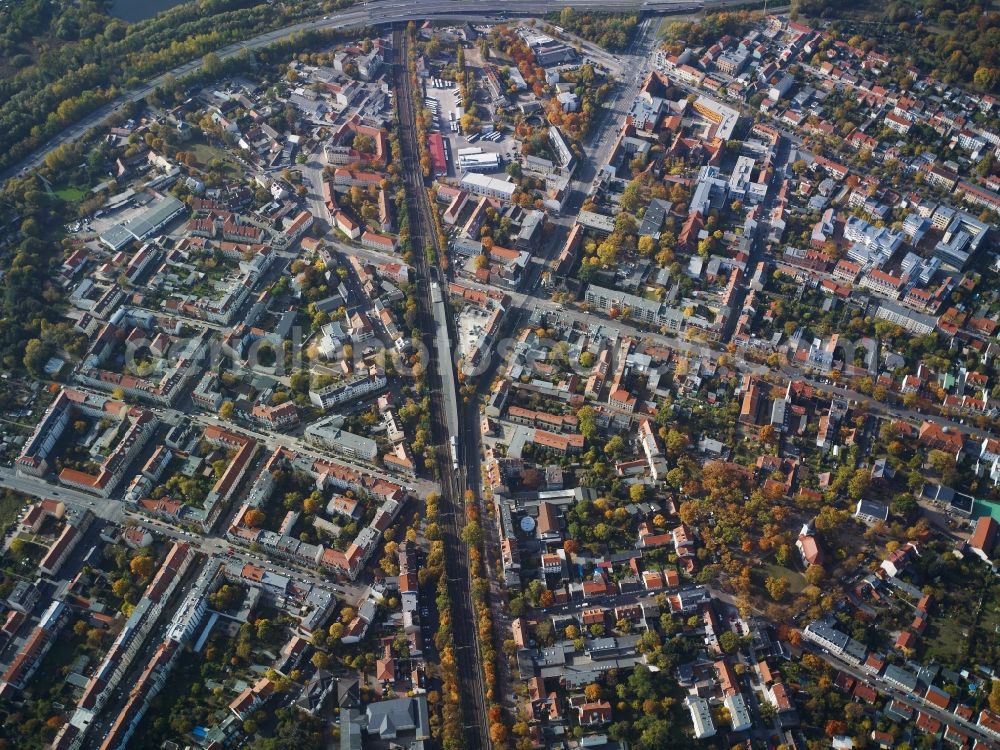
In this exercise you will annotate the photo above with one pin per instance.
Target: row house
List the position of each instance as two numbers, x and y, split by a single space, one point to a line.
532 418
883 283
898 123
27 660
379 242
560 444
361 385
349 178
64 544
280 417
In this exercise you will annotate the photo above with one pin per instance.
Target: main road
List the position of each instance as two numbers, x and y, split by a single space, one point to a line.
369 13
115 511
913 700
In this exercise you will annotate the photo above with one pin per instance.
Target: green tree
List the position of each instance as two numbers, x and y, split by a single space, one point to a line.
994 698
815 575
728 642
615 447
858 484
777 587
986 78
676 442
587 421
630 197
36 354
941 462
299 381
142 566
364 143
472 535
226 598
607 251
211 65
265 629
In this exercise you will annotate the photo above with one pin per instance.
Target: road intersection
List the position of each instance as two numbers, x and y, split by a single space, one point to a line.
370 13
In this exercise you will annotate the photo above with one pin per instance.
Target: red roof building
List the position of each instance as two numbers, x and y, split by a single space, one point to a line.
937 697
928 723
984 537
436 145
594 714
865 692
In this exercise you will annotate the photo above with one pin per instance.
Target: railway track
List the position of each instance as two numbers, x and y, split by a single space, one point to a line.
452 510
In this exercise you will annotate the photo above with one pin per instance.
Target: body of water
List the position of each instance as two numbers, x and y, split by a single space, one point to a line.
139 10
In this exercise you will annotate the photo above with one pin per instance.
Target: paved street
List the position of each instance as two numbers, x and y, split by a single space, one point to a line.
945 717
528 302
114 511
312 175
371 12
105 508
211 544
272 440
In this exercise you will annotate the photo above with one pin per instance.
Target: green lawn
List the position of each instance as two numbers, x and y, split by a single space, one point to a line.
984 645
10 507
71 194
946 639
24 551
206 154
796 581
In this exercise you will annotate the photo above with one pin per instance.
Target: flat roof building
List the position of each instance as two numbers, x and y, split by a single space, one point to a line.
151 220
725 118
482 162
329 434
491 187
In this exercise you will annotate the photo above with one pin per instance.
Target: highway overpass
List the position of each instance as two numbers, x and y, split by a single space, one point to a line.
371 13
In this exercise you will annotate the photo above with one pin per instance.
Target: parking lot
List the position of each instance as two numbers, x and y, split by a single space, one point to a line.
448 104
